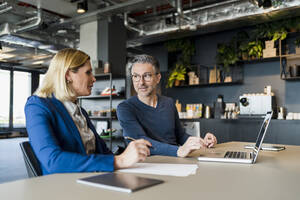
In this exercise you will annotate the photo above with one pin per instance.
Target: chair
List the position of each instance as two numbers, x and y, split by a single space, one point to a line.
31 162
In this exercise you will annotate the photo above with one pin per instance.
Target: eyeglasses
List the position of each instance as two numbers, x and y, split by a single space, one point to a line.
146 77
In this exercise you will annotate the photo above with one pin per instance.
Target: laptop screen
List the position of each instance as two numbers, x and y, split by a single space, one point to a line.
262 132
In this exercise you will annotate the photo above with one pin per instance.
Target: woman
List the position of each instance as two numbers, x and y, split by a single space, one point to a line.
60 132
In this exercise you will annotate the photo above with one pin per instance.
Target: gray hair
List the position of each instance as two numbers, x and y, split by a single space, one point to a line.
144 58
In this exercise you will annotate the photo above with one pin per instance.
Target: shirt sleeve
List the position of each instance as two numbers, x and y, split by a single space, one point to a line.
131 127
48 148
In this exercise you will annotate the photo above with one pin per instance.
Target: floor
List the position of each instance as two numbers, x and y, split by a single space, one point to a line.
12 165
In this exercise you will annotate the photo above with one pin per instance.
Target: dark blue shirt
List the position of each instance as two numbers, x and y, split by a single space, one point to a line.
160 126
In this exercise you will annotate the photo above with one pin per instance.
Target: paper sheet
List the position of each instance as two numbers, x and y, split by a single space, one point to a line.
162 169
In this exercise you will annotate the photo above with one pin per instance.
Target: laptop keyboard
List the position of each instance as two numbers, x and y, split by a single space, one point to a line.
235 154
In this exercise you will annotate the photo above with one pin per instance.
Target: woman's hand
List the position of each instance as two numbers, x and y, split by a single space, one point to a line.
135 152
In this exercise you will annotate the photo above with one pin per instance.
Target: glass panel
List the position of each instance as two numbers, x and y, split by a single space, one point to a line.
22 90
5 98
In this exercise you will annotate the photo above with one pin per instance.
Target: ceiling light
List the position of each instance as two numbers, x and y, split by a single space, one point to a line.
82 7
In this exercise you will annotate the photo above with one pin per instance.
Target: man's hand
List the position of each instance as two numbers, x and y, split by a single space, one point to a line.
135 152
210 140
192 143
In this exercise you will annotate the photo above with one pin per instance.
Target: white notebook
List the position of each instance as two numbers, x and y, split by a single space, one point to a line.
120 182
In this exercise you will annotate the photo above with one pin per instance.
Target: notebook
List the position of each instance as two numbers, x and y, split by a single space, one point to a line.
120 182
239 156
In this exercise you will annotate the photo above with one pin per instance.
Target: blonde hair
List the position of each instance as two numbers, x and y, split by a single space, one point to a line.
55 82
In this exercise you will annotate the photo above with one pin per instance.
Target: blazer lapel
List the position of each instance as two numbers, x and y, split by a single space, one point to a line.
59 107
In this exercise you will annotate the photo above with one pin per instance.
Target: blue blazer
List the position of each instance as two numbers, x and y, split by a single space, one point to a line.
56 141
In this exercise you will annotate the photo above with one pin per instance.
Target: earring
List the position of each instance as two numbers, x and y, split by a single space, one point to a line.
69 81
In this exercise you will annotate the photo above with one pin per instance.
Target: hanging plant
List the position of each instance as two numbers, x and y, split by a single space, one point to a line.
186 47
226 55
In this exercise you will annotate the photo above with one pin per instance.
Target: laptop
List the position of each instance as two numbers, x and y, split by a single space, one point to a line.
213 155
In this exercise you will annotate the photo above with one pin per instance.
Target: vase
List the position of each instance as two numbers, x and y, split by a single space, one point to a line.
177 82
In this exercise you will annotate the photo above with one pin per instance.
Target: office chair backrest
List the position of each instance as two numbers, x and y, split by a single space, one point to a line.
31 162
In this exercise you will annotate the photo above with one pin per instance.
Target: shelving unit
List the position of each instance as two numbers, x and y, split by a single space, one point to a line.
110 97
286 60
203 73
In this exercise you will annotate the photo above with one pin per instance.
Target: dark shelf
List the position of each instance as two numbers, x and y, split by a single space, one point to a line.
291 56
102 118
107 76
262 60
103 97
291 78
210 84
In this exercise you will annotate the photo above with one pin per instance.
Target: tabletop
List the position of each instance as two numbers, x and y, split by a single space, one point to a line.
274 176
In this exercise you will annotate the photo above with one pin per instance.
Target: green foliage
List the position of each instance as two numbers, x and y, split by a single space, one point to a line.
280 34
263 31
255 49
178 73
186 47
276 3
226 55
297 42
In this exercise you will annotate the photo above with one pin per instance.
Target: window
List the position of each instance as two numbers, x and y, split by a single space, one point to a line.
22 90
5 98
41 79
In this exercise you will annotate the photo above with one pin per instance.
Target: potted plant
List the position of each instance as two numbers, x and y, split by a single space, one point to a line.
255 49
241 39
280 33
177 75
186 48
226 55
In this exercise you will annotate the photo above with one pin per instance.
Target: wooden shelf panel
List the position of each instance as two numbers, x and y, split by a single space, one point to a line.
103 97
210 84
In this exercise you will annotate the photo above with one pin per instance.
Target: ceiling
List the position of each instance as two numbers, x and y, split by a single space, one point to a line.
31 31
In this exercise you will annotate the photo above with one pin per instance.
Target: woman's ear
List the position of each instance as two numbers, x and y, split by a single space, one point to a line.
68 77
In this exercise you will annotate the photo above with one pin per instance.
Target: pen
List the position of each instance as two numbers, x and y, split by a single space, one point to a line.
129 138
132 139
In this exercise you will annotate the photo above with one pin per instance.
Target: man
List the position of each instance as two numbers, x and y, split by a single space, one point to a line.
154 117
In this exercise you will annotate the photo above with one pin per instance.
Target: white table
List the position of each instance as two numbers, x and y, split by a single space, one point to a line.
276 175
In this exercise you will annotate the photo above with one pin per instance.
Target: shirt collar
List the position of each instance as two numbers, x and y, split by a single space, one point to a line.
72 108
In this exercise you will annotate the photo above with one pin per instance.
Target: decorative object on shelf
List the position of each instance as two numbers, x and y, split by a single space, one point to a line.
177 75
294 70
178 106
219 107
193 78
106 67
214 75
269 50
107 91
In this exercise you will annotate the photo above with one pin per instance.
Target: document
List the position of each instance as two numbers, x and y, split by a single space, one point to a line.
119 182
162 169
